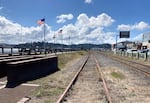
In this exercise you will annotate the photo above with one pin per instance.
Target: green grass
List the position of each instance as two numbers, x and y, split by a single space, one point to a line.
49 92
53 85
117 75
132 94
65 58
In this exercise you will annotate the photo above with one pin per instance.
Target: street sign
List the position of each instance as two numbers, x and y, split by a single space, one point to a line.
124 34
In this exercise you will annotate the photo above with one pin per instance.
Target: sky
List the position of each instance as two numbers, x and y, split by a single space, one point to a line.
81 21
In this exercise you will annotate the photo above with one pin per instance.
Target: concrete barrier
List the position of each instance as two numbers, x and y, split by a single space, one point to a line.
22 71
5 60
12 57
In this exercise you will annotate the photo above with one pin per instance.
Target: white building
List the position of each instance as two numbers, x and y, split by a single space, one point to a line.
146 40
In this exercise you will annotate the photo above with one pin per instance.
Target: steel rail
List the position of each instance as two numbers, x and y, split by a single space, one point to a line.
104 81
135 68
62 97
131 65
134 62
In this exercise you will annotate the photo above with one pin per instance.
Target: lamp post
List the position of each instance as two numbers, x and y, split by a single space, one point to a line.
116 42
44 40
40 22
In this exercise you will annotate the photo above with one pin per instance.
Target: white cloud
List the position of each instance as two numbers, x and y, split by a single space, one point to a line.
90 29
62 18
85 30
102 20
1 7
138 37
141 26
88 1
14 33
138 26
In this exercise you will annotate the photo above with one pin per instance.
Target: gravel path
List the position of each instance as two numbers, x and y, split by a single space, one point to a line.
56 81
88 88
130 87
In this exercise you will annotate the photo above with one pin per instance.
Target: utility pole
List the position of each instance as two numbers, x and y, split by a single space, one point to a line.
44 40
116 42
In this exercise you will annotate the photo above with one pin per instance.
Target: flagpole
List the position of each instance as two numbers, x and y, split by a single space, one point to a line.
54 38
20 42
62 43
116 42
44 40
70 41
60 32
21 33
54 49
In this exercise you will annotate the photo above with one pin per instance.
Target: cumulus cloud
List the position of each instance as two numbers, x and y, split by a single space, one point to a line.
14 33
138 26
102 20
141 26
88 1
1 7
138 37
91 29
62 18
85 30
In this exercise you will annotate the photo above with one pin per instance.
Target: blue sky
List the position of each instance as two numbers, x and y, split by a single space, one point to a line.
85 21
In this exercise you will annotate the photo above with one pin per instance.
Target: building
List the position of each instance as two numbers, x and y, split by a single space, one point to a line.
146 40
124 45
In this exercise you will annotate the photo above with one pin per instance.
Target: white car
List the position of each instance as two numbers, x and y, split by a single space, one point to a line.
148 52
132 51
145 51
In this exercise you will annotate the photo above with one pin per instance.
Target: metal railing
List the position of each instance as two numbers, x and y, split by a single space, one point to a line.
135 55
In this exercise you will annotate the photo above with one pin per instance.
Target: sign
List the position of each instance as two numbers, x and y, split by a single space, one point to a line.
124 34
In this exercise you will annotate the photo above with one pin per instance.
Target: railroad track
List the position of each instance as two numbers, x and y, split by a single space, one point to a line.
87 82
139 67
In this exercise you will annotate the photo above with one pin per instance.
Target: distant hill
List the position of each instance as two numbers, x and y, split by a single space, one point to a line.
7 45
52 46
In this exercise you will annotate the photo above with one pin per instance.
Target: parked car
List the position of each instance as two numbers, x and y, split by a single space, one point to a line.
148 51
143 51
132 51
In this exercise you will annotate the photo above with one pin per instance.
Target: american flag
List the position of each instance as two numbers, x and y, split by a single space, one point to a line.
60 31
40 22
54 36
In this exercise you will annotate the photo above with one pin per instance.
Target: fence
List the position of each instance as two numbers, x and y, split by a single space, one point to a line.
9 50
135 55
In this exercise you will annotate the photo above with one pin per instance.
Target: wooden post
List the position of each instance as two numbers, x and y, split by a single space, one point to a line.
145 56
137 55
132 55
11 51
2 50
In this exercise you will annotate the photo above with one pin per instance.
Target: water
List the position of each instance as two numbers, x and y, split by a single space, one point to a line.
8 50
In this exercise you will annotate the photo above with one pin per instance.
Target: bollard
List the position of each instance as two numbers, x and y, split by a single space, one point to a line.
2 50
137 55
132 55
145 56
127 54
148 57
11 51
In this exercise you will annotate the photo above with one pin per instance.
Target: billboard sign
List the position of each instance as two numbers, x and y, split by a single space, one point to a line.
124 34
